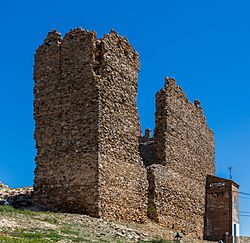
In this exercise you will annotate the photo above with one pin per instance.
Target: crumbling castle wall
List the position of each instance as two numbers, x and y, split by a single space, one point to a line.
87 137
178 207
87 127
122 177
184 149
182 136
66 115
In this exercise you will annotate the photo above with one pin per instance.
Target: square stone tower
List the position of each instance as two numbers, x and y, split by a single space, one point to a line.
222 210
87 127
184 156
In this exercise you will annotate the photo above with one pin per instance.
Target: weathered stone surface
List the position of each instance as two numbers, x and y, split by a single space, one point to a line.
87 126
183 139
184 147
122 177
171 204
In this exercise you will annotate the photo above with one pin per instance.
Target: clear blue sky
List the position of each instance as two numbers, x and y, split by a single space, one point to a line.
204 45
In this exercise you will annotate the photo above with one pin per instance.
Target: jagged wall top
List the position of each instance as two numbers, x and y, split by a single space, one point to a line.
170 83
172 89
179 119
107 42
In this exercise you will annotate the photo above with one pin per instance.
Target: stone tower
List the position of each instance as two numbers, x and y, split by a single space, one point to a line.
184 156
87 126
222 210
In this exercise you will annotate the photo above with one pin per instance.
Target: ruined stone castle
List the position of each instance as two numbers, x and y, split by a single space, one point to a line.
91 157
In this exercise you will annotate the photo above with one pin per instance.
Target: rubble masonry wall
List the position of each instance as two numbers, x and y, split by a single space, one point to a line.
184 150
87 127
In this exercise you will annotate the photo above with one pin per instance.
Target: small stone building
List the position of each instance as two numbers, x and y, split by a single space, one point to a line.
222 210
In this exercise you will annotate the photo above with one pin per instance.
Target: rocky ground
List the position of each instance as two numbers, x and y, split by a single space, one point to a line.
29 226
20 198
21 222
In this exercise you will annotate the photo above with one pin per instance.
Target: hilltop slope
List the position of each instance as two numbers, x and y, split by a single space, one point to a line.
30 226
25 225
